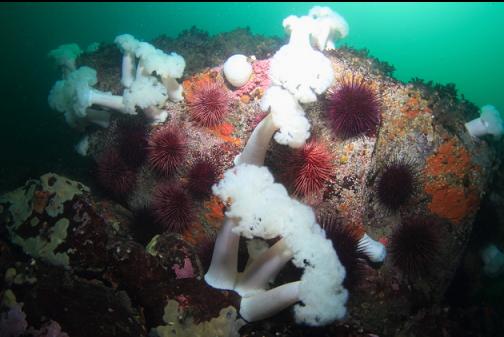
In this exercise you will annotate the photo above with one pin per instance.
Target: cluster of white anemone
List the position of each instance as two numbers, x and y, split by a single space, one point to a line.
148 76
260 208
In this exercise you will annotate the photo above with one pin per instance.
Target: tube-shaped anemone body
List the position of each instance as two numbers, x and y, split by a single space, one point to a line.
87 96
263 269
173 88
223 268
255 150
490 122
266 304
373 249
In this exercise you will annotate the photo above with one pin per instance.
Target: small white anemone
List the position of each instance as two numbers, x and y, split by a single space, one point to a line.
328 27
490 122
237 70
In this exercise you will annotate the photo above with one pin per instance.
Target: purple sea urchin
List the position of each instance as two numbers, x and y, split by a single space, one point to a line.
166 149
201 177
172 207
114 174
396 184
414 246
353 108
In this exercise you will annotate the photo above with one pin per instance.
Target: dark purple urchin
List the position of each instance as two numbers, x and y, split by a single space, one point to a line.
396 184
114 175
132 141
415 246
172 207
345 240
201 177
353 109
167 148
209 104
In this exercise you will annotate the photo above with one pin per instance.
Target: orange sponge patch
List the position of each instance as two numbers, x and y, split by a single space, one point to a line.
447 172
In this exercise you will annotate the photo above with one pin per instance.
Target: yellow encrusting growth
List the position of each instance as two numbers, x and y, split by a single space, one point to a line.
225 325
61 190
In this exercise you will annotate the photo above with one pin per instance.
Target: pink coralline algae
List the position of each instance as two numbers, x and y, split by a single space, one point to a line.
186 271
259 79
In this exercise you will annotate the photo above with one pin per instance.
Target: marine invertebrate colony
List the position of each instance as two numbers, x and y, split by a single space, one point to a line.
209 103
166 149
353 109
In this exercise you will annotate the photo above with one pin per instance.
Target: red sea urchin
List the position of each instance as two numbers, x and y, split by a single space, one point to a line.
167 148
172 208
308 168
396 184
114 174
353 109
345 240
415 246
201 177
209 103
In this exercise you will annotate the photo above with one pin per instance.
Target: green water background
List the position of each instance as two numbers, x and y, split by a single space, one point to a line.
460 43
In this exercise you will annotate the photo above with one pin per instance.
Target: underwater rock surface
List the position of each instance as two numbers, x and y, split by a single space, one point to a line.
84 255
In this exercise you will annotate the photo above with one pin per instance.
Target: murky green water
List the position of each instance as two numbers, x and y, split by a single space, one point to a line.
459 43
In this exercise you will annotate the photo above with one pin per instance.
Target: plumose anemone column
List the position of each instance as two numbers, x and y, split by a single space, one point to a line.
128 45
272 215
285 116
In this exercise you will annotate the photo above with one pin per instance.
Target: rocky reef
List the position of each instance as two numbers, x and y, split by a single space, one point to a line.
110 258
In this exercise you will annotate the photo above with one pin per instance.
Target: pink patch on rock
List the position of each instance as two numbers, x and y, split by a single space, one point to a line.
186 271
183 301
259 79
